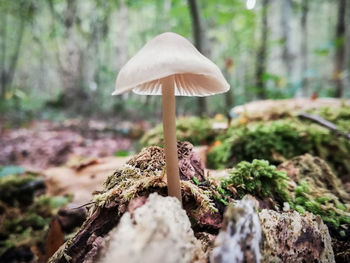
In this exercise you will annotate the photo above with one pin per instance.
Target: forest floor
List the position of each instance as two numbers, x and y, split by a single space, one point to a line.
51 171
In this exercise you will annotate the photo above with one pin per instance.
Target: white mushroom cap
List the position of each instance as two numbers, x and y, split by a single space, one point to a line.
170 54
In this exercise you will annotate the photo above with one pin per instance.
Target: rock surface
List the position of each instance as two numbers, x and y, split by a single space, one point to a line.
239 239
270 236
291 237
158 231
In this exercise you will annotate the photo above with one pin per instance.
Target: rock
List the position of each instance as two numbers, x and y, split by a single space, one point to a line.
291 237
158 231
270 236
239 239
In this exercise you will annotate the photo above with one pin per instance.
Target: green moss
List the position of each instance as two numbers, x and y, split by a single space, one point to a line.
195 180
300 209
257 178
328 207
280 140
195 130
263 180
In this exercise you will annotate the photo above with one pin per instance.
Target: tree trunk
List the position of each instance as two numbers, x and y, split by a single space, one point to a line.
340 49
7 74
122 44
262 53
229 99
70 58
304 46
14 58
3 73
200 41
288 54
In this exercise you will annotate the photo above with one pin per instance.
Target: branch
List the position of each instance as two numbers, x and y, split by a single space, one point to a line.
323 122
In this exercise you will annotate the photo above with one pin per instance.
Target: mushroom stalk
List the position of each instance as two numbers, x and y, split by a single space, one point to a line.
170 145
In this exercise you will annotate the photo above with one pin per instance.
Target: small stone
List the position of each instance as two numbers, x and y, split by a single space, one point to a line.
286 207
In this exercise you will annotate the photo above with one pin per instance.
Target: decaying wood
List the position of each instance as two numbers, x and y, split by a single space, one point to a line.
142 175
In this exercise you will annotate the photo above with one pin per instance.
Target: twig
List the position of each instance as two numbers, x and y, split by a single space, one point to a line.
323 122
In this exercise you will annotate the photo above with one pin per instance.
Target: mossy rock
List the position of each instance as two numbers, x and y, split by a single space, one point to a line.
278 141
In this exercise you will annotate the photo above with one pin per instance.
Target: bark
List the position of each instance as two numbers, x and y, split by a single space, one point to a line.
339 64
200 41
262 54
304 45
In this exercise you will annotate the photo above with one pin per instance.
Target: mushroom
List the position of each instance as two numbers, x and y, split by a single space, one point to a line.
169 65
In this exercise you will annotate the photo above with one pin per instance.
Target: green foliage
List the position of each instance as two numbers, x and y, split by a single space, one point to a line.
192 129
257 178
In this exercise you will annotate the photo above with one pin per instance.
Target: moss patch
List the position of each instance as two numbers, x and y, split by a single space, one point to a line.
304 189
195 130
280 140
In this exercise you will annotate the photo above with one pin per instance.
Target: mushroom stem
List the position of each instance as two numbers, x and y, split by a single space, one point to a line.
170 145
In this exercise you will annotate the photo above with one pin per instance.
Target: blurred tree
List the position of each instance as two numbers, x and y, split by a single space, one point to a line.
288 54
339 65
69 52
201 42
229 94
15 15
304 45
78 50
260 66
